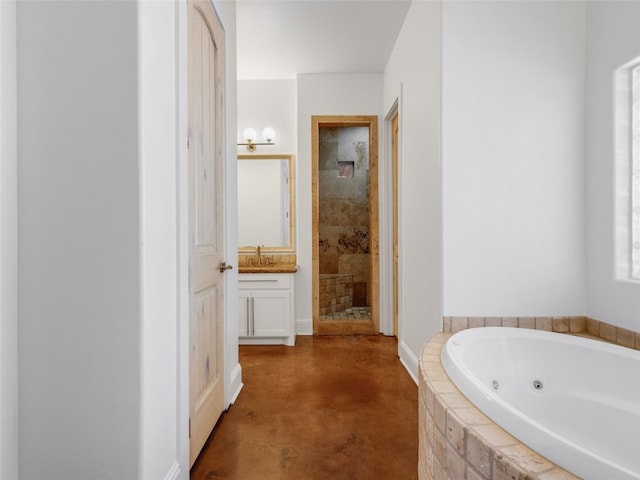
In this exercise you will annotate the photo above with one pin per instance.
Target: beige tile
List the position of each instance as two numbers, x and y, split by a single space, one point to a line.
473 416
455 432
356 264
423 421
430 400
475 322
439 473
495 436
431 367
544 323
429 459
446 324
493 322
510 322
626 338
440 338
425 443
526 458
436 373
458 323
607 331
593 327
456 400
473 474
430 357
478 453
425 458
443 386
439 414
527 322
423 470
422 379
432 349
577 324
503 469
556 473
456 466
560 324
439 447
429 433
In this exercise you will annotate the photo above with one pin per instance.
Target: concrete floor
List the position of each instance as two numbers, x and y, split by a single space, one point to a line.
332 407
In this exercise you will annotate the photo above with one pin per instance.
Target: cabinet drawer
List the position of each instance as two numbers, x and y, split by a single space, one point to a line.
262 281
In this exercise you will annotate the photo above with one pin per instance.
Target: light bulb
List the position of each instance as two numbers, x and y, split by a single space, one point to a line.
269 134
249 134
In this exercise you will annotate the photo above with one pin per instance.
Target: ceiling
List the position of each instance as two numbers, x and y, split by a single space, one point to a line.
280 39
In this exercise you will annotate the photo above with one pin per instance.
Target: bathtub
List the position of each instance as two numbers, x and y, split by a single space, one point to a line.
574 400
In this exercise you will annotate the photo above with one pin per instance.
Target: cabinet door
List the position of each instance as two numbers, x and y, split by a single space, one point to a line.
271 313
244 312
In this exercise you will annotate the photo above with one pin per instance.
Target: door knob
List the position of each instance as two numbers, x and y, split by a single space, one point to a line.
224 267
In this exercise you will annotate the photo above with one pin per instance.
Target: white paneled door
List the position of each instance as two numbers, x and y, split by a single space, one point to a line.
206 249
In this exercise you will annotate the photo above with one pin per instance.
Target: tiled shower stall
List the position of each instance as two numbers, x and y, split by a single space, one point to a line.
344 218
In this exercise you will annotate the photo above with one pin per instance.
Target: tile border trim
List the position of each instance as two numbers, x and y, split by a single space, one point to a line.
577 325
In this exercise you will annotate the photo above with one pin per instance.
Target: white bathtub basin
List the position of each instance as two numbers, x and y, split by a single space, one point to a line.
574 400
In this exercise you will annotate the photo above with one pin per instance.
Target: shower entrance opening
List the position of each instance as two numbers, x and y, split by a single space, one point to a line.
345 224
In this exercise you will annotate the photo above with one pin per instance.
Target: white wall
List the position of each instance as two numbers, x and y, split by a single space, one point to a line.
513 123
414 68
79 257
159 136
613 39
8 246
268 103
104 324
322 94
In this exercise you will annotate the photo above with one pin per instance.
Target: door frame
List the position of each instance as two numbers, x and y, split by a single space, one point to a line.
387 215
340 326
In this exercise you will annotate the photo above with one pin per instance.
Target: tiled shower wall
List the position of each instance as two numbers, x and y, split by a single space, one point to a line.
343 179
336 293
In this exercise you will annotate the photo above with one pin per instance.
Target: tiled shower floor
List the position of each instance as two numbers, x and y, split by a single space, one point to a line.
353 313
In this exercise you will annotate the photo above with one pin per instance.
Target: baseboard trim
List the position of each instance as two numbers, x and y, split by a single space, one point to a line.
235 383
409 360
304 327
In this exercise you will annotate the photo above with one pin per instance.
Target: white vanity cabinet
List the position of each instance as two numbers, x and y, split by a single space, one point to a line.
265 309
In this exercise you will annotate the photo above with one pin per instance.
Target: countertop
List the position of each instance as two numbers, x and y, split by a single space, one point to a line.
268 268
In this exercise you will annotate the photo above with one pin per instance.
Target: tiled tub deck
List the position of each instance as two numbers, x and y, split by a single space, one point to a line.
458 442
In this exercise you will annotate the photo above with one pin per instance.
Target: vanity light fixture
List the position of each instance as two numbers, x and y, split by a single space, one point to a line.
249 135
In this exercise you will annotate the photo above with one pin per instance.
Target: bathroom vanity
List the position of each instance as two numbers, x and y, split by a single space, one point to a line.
265 309
266 256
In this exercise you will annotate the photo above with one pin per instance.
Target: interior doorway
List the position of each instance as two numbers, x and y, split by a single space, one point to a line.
345 225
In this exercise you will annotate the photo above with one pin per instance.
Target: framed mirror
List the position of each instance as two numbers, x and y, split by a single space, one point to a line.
266 203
